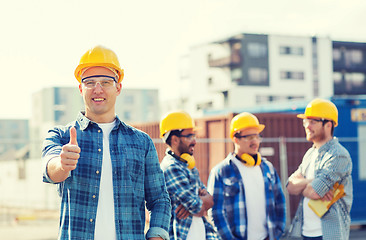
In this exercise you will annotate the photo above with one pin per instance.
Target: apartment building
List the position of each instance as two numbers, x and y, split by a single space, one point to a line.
250 69
349 68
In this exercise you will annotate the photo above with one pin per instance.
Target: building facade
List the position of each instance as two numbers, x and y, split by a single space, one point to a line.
138 105
14 135
349 68
250 69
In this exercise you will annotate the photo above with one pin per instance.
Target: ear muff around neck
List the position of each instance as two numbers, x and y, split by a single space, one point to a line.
189 159
250 160
186 158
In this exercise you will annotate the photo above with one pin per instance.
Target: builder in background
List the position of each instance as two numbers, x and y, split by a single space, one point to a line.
326 163
189 197
248 199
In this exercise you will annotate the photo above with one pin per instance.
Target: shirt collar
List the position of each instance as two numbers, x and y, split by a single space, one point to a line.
84 122
328 145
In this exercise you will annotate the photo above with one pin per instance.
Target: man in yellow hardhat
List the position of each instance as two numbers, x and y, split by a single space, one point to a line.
105 169
248 199
189 197
325 164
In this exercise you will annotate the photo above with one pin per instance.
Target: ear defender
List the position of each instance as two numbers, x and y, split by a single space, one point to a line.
250 160
189 160
186 158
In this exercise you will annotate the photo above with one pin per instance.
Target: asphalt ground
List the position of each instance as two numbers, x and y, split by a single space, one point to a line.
30 230
48 229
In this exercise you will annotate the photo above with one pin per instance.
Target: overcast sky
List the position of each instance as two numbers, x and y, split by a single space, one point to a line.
43 40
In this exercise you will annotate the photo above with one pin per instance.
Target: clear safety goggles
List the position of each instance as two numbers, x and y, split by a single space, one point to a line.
250 137
104 81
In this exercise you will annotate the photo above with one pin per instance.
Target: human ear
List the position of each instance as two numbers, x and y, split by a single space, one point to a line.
175 139
119 87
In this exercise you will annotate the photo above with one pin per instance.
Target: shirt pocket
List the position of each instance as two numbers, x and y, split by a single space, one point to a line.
231 187
135 169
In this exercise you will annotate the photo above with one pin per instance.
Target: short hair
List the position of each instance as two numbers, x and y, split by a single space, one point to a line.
237 134
173 133
332 129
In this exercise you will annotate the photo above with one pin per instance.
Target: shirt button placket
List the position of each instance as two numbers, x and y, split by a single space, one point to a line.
97 173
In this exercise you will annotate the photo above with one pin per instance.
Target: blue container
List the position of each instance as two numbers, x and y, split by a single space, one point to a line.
351 132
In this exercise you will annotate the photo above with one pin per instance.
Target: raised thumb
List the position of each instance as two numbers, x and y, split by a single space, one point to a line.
73 136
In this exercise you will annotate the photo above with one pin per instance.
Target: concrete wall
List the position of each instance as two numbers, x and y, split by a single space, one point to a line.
22 187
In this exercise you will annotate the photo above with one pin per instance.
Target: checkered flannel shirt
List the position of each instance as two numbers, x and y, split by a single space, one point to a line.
137 178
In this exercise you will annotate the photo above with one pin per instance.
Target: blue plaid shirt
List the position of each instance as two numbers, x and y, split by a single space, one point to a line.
137 178
333 164
229 210
183 185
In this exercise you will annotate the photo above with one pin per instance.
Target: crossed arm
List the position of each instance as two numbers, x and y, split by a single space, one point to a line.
207 203
298 184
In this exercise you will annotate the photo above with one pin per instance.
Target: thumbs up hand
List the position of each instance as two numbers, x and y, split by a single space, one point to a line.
73 138
70 152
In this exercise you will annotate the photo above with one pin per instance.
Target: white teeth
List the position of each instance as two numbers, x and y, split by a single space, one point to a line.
98 99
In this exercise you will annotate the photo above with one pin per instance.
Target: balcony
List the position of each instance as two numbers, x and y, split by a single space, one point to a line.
339 66
231 61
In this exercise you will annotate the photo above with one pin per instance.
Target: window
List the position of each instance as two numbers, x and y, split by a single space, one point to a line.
337 77
354 80
209 57
295 97
226 97
354 56
257 50
236 73
337 54
297 51
209 81
204 105
294 75
349 83
287 50
358 79
273 98
258 75
261 99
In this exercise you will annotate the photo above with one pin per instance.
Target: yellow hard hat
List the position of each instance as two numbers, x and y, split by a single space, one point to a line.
244 120
99 56
320 108
175 121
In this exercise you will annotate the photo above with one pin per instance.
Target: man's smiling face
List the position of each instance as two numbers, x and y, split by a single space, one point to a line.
99 101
